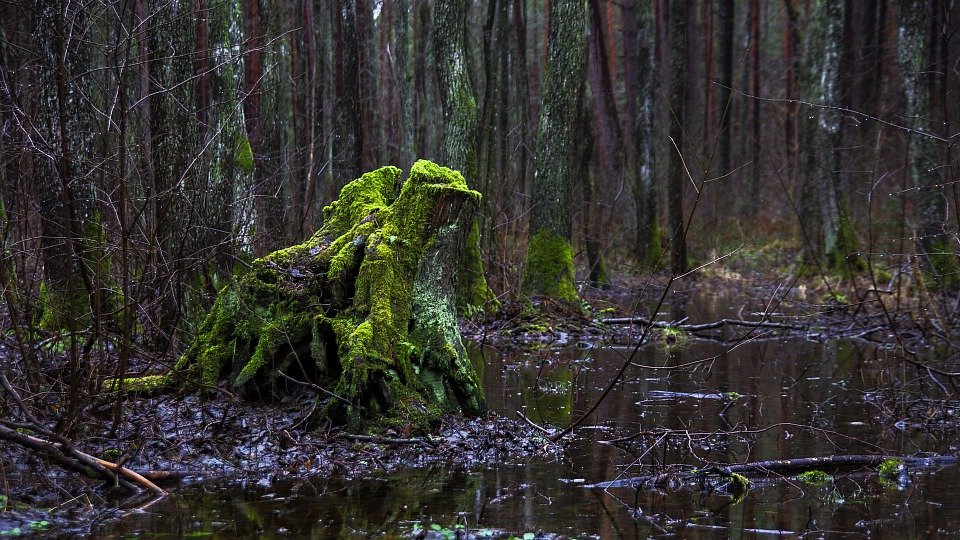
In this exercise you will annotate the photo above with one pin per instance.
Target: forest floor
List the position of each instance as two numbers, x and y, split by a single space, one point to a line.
185 438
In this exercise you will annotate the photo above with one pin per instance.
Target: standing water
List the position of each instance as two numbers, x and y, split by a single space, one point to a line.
766 399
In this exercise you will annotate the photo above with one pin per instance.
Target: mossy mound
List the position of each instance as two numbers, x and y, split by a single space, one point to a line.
365 309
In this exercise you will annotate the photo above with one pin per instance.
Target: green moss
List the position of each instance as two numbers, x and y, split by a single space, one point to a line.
243 156
674 338
549 268
149 384
943 265
814 478
361 200
655 249
474 296
738 483
845 257
890 469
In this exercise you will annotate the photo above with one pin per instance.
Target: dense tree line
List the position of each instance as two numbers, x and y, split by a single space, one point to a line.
150 148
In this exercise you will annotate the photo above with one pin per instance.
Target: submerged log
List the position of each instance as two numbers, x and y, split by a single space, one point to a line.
365 309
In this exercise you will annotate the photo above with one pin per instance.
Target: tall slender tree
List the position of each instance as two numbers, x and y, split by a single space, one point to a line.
549 261
348 137
678 97
725 14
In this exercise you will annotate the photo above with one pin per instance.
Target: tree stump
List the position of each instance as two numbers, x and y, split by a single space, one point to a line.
365 309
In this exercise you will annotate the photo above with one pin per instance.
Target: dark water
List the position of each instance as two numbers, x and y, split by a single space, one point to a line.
786 399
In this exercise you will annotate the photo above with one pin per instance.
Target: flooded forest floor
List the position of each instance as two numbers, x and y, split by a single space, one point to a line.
553 353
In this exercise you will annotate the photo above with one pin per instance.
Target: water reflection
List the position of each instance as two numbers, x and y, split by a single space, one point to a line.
780 399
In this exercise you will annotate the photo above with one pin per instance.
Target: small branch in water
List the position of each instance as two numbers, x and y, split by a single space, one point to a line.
535 425
705 326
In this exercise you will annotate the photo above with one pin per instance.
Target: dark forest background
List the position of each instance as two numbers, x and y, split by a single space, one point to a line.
150 148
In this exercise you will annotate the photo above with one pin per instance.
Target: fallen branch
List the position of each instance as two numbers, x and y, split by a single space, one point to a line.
80 462
62 451
384 440
787 466
705 326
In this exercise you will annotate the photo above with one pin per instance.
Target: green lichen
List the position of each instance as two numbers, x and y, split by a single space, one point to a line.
364 308
814 478
549 267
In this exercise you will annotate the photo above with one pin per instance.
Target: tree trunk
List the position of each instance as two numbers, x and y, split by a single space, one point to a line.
678 99
348 136
791 41
363 310
460 137
752 203
923 72
725 12
649 248
549 262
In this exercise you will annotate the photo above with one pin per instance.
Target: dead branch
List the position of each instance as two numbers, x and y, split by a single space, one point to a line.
705 326
789 466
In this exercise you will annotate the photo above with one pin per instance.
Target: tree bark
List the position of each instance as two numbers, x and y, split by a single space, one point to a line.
348 136
677 102
924 73
725 12
364 308
549 260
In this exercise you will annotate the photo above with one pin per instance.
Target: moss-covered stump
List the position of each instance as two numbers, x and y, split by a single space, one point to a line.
365 309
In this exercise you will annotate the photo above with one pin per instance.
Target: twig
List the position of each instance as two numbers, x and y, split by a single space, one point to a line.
535 425
312 386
